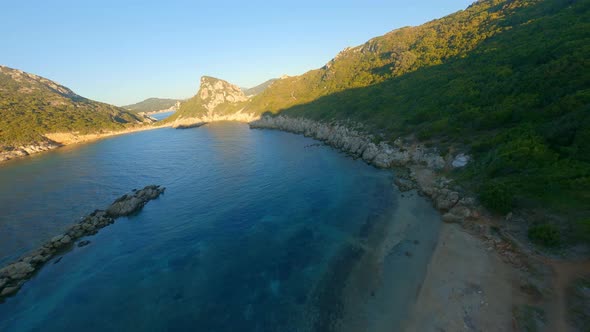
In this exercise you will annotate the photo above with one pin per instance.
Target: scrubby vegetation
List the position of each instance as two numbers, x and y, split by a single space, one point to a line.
151 105
507 81
545 234
31 106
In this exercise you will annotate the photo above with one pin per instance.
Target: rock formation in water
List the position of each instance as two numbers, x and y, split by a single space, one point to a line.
14 275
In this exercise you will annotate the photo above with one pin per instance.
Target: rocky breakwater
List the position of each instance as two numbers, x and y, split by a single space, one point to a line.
423 162
189 125
15 274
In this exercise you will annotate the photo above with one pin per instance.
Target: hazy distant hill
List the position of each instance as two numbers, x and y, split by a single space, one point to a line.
152 105
31 106
259 88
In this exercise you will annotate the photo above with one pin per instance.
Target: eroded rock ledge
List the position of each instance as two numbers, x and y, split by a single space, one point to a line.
15 274
8 153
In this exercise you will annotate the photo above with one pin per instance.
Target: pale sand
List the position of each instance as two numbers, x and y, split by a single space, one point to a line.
467 287
73 138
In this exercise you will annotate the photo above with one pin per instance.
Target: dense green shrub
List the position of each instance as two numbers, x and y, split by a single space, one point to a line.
497 197
545 234
583 230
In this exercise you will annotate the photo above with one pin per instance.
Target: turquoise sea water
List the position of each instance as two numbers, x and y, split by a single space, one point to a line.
257 231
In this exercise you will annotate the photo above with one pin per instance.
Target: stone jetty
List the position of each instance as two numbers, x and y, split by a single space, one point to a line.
15 274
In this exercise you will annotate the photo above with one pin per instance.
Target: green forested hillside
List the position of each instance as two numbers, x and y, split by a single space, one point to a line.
31 106
152 105
508 81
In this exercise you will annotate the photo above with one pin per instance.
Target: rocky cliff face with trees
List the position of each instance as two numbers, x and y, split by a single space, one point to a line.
216 100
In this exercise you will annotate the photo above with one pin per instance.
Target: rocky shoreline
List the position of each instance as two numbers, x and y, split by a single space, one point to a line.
421 161
15 274
464 220
57 140
27 150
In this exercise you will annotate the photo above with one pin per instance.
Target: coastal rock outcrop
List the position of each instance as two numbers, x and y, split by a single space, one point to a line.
421 161
356 143
14 275
216 100
214 92
9 153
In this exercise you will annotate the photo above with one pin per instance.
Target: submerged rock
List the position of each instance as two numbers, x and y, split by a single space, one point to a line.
83 243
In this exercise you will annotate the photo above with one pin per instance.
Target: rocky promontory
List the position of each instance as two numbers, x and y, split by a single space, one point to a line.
15 274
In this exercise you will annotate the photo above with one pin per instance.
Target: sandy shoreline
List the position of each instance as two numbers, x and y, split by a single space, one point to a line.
57 140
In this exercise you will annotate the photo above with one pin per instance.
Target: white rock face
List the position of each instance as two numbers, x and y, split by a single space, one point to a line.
461 160
214 92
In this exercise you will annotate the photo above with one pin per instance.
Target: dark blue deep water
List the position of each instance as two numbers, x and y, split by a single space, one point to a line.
257 231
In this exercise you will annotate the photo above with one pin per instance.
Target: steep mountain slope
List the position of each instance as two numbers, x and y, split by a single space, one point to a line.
215 98
152 105
505 80
259 88
397 53
31 106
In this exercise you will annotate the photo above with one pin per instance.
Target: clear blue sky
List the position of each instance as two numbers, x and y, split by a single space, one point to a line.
122 52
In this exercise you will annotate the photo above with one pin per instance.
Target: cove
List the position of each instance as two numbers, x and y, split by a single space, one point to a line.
258 231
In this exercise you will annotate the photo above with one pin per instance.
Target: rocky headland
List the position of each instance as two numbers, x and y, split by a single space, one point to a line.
216 100
15 274
9 153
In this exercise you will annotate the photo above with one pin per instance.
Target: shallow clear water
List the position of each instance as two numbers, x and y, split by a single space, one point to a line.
257 231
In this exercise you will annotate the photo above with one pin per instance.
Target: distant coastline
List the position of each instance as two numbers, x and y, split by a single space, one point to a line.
57 140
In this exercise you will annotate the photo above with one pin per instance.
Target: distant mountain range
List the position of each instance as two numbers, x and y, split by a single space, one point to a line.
32 106
152 105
